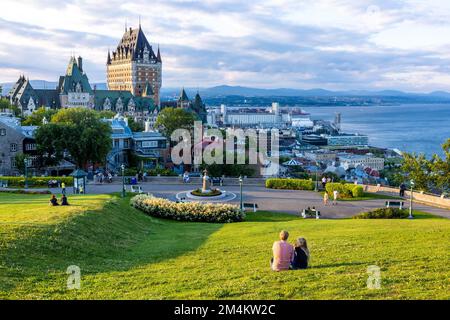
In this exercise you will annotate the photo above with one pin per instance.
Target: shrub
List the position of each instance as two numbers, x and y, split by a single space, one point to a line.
346 190
289 184
383 213
188 211
36 181
162 172
26 191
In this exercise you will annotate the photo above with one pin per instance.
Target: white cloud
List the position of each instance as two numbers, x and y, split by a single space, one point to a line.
335 44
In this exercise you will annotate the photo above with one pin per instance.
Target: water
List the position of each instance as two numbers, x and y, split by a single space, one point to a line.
411 128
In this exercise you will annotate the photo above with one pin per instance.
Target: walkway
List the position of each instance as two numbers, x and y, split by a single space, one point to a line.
287 201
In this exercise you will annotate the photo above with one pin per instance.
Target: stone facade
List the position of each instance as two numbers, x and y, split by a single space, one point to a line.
15 139
135 67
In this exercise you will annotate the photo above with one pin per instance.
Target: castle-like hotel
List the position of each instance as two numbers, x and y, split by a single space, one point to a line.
134 78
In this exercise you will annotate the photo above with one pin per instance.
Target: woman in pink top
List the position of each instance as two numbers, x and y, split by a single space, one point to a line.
283 253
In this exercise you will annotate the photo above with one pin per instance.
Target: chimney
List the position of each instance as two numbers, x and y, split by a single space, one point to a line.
80 63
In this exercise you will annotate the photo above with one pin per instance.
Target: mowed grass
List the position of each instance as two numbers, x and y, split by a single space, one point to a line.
124 254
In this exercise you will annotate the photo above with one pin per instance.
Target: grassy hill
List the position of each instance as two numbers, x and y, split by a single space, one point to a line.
124 254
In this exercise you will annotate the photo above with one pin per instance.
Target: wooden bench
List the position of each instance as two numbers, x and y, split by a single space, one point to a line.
310 213
136 189
395 204
251 206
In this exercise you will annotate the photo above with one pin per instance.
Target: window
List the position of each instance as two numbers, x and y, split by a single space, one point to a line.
2 132
150 144
13 163
30 147
13 147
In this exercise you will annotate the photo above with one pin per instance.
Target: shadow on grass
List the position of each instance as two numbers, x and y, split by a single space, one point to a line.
265 216
114 238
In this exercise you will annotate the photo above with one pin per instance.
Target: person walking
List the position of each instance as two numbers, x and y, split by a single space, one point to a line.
325 198
402 189
335 197
324 182
63 188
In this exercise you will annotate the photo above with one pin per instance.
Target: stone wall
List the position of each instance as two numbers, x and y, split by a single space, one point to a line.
421 197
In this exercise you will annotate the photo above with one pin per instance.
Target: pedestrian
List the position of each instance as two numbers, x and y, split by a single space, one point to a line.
325 198
63 188
324 182
402 189
335 197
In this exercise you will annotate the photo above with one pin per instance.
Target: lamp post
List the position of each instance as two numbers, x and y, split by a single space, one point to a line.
25 162
411 200
240 185
123 180
316 188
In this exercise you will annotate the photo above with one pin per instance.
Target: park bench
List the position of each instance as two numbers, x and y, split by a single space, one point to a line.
53 183
136 189
395 204
217 181
310 213
251 206
3 183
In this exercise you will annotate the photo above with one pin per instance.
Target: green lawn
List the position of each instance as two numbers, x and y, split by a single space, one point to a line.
124 254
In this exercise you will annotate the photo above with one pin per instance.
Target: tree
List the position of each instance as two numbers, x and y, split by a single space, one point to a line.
20 162
51 143
170 119
35 119
79 131
5 105
429 175
134 125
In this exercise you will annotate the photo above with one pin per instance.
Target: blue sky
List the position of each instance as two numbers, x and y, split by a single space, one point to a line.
331 44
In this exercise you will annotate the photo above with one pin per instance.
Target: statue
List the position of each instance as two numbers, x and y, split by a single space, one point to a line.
205 189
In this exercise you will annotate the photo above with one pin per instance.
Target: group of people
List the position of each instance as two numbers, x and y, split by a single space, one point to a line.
287 256
54 201
326 197
104 176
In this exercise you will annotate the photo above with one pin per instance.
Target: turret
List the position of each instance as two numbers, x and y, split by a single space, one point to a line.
80 64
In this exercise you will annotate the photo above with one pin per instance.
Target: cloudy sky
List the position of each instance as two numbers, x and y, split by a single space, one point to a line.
331 44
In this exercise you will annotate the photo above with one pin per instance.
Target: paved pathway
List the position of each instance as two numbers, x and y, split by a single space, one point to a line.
287 201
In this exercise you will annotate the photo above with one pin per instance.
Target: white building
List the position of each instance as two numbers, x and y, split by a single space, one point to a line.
352 160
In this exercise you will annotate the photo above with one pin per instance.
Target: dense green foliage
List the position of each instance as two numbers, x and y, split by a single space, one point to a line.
188 211
383 213
79 131
428 174
170 119
345 190
124 254
290 184
36 118
5 105
35 181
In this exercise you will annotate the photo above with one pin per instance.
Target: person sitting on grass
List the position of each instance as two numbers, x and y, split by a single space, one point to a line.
283 253
301 256
64 200
54 201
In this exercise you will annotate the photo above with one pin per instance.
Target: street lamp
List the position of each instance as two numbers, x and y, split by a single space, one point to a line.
25 162
411 200
316 188
123 180
240 185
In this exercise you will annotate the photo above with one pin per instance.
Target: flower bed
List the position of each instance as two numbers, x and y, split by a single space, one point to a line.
188 211
290 184
211 193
